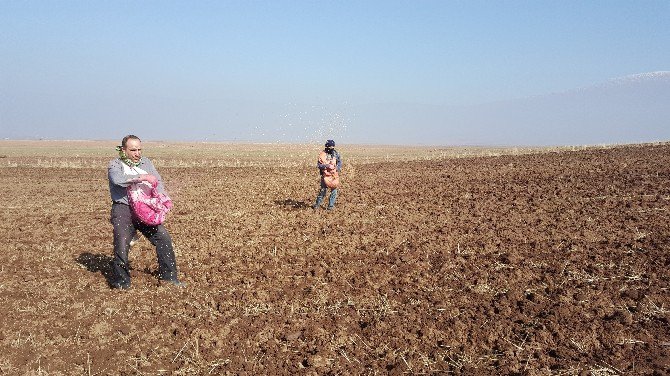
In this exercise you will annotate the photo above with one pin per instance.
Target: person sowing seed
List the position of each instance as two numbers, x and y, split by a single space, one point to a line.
133 178
330 165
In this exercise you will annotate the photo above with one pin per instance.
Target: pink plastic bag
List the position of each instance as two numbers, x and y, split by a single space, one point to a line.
147 204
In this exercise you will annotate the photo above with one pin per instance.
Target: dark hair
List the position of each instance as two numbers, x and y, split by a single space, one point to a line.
128 137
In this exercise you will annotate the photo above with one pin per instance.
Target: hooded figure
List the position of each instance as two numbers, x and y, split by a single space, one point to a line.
330 165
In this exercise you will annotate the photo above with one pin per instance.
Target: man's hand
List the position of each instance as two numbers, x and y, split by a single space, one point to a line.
149 178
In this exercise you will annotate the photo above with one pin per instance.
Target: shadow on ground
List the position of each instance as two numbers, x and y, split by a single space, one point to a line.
293 204
97 263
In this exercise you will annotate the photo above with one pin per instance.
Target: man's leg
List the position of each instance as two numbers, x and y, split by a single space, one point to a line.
321 195
332 199
124 230
159 237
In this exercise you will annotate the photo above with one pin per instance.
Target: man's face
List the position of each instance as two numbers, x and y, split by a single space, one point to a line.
133 149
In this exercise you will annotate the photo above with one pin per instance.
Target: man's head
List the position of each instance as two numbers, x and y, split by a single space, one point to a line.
132 147
330 145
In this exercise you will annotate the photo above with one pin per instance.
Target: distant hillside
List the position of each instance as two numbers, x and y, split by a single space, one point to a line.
630 109
622 110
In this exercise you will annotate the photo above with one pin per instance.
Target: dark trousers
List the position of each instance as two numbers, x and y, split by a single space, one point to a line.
125 227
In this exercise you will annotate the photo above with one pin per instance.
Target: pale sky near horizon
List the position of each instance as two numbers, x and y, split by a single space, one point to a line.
297 70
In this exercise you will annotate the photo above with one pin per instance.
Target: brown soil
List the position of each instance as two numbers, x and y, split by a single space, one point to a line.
553 263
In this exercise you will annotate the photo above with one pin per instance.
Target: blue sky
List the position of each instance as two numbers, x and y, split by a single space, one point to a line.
298 70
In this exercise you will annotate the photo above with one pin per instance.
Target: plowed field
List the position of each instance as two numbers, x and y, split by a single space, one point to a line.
529 264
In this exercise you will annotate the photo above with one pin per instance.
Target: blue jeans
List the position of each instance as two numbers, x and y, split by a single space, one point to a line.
322 195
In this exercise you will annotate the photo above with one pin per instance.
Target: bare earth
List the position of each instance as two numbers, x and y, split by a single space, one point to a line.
435 261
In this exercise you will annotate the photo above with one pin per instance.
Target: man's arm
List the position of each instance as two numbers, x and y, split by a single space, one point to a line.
320 163
116 175
339 162
148 166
